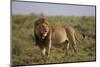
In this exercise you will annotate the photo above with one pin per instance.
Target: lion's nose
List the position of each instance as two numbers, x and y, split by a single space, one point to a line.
45 31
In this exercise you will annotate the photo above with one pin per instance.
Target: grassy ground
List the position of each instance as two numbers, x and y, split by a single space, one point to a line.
25 52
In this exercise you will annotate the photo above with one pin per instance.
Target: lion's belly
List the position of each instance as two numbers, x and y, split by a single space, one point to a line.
59 36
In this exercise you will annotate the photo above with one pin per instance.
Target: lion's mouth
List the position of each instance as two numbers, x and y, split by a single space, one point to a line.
44 35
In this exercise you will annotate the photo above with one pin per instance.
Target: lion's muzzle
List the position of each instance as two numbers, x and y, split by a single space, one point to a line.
44 34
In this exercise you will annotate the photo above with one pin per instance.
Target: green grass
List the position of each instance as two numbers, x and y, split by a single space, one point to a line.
25 52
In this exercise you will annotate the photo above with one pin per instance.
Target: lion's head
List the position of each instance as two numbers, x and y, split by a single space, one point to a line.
42 28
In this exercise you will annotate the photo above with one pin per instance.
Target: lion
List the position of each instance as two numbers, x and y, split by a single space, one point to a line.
45 36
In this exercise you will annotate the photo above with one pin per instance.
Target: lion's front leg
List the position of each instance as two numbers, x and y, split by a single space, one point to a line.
48 48
43 51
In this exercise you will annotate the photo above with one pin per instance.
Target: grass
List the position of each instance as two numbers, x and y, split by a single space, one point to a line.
25 52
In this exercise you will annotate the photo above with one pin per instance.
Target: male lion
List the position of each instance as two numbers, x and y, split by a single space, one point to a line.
44 36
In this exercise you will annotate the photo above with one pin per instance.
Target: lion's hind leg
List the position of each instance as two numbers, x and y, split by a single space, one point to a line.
74 45
66 47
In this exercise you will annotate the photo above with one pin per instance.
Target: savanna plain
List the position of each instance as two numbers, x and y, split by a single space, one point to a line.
25 52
